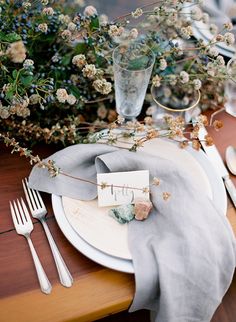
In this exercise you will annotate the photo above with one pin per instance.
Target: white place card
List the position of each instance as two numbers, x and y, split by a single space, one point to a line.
118 188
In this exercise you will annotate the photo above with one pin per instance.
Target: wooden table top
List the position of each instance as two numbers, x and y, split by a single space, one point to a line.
97 291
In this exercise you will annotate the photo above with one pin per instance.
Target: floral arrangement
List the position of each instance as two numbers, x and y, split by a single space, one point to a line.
56 80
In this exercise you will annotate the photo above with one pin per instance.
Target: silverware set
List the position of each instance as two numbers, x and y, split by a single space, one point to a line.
24 226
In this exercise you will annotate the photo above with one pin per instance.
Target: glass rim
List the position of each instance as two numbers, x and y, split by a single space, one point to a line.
176 110
134 70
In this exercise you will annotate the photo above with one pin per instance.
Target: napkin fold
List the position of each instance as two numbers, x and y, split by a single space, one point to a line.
184 254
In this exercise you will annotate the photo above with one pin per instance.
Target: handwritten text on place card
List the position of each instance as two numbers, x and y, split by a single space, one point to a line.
118 188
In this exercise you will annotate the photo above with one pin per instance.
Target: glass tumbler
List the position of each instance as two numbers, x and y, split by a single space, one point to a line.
132 65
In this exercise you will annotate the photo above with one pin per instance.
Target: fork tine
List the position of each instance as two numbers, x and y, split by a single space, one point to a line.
28 195
27 215
40 199
35 198
13 214
21 212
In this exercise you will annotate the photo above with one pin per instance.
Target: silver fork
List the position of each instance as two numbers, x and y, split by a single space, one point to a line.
24 226
39 211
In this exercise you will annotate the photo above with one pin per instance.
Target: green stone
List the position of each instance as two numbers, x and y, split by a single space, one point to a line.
122 214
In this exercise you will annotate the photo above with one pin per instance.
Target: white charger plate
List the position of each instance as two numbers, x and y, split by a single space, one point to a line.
196 165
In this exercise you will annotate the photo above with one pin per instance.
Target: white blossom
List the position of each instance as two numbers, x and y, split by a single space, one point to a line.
72 26
16 52
79 60
137 13
184 77
43 27
28 63
133 33
229 38
196 13
197 84
71 99
102 86
90 11
89 70
62 95
48 11
156 81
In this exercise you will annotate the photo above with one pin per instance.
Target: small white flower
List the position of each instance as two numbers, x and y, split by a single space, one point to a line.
196 13
72 26
228 26
163 64
205 18
44 2
103 19
43 27
62 95
34 99
211 69
197 84
184 77
28 63
133 33
220 60
16 52
172 79
79 60
213 29
229 38
48 11
89 71
102 86
151 110
65 19
115 31
26 5
66 34
186 32
81 3
156 81
90 11
137 13
71 99
213 52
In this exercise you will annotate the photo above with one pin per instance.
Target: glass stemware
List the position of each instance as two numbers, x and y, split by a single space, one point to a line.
167 104
132 63
230 87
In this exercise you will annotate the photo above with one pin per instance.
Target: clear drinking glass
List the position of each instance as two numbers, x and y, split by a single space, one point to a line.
230 88
167 104
132 64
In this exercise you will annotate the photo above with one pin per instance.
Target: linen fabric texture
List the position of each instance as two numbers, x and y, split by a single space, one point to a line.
184 254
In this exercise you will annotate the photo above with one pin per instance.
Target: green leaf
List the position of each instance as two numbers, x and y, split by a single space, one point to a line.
138 63
11 37
80 48
10 94
75 91
66 59
14 73
26 81
94 24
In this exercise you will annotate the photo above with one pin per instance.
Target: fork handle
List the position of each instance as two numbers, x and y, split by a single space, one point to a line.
45 285
63 272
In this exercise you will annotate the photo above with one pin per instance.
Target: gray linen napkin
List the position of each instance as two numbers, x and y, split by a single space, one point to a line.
184 254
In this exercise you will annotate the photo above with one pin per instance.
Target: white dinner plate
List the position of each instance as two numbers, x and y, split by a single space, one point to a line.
196 165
